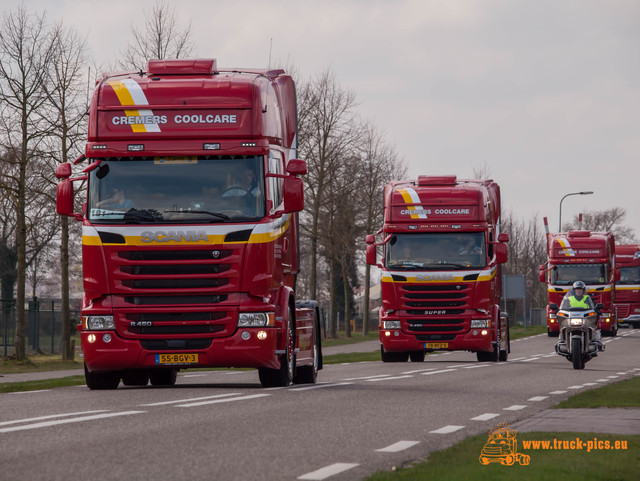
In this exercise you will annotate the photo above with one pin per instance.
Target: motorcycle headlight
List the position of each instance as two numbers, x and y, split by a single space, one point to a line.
576 321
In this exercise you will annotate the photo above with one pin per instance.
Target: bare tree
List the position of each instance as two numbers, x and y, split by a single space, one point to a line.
67 106
26 55
380 164
161 38
327 132
609 220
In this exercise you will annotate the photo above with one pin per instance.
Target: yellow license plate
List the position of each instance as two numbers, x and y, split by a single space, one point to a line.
176 359
436 345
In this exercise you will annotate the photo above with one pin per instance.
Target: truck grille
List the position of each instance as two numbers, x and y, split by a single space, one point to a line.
434 309
623 311
189 291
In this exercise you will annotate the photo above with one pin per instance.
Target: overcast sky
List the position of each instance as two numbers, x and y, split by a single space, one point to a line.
544 94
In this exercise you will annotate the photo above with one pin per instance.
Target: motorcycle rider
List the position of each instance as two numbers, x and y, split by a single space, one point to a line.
577 298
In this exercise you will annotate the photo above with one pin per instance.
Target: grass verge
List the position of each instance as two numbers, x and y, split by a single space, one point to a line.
517 332
621 395
43 384
462 461
38 363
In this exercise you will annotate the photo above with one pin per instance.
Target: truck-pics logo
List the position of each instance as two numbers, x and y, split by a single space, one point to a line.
173 236
502 447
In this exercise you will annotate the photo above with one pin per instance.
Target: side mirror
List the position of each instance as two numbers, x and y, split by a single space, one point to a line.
296 167
542 273
503 237
371 239
293 194
372 255
64 196
553 307
63 171
502 253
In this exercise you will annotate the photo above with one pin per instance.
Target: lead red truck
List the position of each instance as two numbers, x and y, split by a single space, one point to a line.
442 252
189 227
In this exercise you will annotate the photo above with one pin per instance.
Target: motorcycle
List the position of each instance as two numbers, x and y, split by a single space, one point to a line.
579 339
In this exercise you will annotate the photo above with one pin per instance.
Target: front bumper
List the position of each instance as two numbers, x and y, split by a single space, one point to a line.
398 341
232 351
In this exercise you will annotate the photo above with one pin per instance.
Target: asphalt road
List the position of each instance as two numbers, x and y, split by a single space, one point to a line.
358 419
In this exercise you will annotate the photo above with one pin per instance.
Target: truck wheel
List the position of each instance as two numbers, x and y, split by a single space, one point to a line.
393 356
135 378
491 356
576 354
101 380
552 333
504 353
163 377
309 374
283 376
417 356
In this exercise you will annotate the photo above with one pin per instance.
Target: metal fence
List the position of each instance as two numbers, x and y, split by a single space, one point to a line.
43 326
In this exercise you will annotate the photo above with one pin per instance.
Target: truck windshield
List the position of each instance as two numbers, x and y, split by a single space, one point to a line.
462 250
180 190
629 275
566 274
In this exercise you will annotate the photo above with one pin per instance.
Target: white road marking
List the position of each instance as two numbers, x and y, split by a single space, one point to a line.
163 403
475 366
320 386
388 378
67 421
416 371
226 400
538 398
397 447
613 377
485 417
365 377
438 372
447 429
531 359
328 471
51 416
558 392
575 387
194 375
602 380
32 392
515 407
590 384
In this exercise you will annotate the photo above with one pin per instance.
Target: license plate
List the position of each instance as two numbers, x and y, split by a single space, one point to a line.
436 345
176 359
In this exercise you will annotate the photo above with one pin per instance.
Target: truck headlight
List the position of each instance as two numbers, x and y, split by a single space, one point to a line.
256 319
391 324
576 321
99 323
480 323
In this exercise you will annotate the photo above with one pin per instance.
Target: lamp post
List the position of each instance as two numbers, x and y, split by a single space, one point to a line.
588 192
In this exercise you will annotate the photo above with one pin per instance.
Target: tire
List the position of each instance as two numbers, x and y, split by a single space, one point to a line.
552 333
135 378
163 377
309 374
491 356
576 353
101 380
393 356
417 356
283 376
503 355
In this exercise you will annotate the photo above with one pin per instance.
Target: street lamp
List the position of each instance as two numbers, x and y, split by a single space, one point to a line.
588 192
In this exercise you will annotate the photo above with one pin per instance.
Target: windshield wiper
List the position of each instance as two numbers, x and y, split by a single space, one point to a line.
449 264
219 215
141 215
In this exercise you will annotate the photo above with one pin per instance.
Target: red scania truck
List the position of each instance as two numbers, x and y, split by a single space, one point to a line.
189 228
441 278
586 256
627 288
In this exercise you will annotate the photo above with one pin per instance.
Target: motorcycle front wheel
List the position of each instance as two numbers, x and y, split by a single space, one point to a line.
576 353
